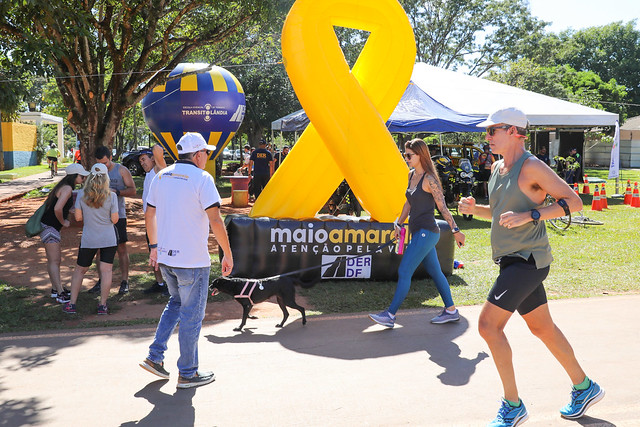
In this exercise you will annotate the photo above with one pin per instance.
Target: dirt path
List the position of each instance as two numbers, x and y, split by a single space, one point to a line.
23 261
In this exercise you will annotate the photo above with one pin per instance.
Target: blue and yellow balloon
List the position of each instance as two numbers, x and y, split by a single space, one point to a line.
210 102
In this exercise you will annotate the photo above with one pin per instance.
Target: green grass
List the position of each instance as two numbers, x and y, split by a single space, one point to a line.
589 261
32 170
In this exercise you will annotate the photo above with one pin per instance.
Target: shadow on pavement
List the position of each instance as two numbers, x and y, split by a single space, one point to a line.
356 338
168 409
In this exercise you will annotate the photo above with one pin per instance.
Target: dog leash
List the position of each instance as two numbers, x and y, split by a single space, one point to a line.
302 270
258 282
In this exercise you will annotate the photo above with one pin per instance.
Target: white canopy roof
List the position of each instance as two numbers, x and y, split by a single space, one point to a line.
472 95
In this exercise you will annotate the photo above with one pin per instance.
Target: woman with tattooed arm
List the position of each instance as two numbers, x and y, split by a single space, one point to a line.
424 193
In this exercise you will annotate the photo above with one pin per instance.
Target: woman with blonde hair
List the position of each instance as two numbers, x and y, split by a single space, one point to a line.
424 193
97 206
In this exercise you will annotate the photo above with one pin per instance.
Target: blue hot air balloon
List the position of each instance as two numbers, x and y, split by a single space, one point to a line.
210 101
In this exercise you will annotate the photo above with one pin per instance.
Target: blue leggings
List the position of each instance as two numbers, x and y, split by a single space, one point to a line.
421 248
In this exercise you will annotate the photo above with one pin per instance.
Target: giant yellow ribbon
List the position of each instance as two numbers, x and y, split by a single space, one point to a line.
347 137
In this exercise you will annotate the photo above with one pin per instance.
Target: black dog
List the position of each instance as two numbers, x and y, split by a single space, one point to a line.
249 292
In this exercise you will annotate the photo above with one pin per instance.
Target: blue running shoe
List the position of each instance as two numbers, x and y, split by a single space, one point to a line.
445 317
581 400
508 416
384 318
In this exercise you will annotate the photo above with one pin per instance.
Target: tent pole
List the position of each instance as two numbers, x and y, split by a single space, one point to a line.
440 138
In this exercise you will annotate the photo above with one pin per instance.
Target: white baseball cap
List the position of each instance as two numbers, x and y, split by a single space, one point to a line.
76 168
192 142
509 116
99 169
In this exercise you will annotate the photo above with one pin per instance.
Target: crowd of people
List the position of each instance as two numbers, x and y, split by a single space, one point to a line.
181 204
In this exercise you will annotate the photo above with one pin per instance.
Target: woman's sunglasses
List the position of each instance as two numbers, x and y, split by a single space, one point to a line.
408 155
492 131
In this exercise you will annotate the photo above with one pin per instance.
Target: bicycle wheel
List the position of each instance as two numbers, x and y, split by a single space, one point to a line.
560 223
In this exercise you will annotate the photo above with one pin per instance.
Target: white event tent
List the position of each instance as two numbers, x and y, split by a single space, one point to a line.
472 95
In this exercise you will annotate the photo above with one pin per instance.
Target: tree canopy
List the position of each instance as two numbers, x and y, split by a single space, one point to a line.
106 56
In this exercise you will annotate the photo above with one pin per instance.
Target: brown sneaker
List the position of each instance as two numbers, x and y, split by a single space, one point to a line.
155 368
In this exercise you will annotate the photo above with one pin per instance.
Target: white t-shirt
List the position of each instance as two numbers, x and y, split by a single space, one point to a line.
145 188
181 193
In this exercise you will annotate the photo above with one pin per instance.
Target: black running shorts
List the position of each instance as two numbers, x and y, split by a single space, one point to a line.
519 285
85 255
121 230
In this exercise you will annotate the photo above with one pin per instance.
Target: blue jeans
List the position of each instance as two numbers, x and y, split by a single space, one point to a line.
421 249
188 288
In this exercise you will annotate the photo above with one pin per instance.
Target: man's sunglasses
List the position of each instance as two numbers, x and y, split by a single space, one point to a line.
491 131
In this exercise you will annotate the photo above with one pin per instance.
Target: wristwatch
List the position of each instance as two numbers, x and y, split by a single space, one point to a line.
455 230
535 216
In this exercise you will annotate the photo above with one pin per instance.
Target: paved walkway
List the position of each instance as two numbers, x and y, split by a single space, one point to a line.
336 370
21 186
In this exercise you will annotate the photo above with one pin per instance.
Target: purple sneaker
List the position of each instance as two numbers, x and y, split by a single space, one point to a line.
445 317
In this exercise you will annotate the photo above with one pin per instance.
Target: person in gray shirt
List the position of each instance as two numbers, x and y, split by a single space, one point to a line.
97 206
121 183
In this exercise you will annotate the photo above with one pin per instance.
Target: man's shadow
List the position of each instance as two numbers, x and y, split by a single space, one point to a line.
168 409
356 338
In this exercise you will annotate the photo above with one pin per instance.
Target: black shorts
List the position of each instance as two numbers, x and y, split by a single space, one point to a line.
121 230
85 255
53 159
519 285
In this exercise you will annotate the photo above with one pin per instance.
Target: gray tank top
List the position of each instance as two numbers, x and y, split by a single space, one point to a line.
422 206
523 241
117 183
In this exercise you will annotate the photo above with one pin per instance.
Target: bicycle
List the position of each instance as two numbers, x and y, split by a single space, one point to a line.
563 222
52 168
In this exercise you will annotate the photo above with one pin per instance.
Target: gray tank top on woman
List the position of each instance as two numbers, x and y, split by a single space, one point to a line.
505 195
117 183
422 204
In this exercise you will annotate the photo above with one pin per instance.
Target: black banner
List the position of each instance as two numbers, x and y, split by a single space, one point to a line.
264 247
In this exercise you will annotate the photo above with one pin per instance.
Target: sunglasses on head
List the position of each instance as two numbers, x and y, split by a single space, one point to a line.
492 130
409 155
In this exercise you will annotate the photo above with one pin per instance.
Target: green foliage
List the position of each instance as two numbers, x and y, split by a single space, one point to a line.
479 34
564 82
106 56
611 51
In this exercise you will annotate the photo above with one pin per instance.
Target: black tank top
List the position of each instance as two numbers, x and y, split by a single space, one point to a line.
421 214
49 216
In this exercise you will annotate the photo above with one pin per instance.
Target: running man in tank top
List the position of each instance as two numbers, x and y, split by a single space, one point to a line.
518 186
424 193
121 183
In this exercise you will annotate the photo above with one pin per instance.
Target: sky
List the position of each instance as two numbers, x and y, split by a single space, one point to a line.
578 14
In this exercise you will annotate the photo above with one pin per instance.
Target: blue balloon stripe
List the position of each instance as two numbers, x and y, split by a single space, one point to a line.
205 83
231 84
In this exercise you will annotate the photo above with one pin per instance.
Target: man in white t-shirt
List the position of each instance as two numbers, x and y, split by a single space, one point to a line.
183 202
152 161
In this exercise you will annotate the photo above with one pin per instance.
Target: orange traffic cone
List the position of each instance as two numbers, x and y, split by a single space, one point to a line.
585 189
603 198
595 205
627 193
635 200
575 188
